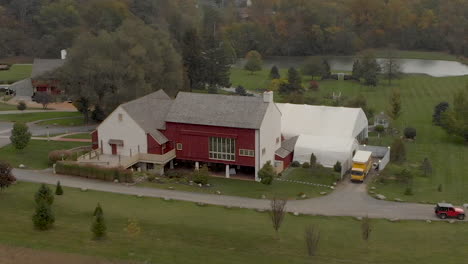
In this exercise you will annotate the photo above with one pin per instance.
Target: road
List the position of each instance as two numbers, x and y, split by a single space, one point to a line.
347 199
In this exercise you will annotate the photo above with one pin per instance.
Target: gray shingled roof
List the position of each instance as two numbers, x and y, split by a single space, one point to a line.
287 146
23 87
159 137
42 66
150 111
218 110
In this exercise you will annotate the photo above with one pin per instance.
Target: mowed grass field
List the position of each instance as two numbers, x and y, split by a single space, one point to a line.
183 232
15 73
35 155
30 117
419 95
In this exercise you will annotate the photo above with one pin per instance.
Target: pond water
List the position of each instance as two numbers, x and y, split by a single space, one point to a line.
435 68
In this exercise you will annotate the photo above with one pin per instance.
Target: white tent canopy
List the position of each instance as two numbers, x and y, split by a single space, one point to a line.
328 150
328 132
322 121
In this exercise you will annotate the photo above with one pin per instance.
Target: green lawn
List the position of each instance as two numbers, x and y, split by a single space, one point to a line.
30 117
419 93
35 155
78 121
80 136
15 73
7 107
318 175
242 188
182 232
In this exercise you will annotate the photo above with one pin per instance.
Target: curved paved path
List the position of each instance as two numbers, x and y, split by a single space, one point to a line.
346 200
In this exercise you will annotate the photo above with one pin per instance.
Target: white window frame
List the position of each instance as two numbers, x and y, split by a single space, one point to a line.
246 152
179 146
222 148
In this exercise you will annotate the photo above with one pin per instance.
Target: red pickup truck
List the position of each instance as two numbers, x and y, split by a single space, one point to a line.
445 210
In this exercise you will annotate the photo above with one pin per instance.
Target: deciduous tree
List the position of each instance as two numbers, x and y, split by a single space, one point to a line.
20 136
277 213
6 177
253 61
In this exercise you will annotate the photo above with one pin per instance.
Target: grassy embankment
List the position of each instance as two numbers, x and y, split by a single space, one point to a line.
35 155
253 189
419 93
183 232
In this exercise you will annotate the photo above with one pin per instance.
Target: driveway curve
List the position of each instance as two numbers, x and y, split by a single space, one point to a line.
346 200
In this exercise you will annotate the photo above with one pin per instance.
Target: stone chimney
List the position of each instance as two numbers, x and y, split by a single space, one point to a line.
63 54
268 97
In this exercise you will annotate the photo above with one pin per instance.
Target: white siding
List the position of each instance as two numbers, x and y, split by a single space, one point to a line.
270 135
127 130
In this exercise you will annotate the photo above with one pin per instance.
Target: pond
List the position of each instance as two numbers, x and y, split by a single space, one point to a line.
435 68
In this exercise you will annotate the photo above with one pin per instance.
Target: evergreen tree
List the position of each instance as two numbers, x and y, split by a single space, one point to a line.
44 217
216 64
426 167
240 90
192 49
398 151
395 104
357 70
98 210
294 84
313 160
274 73
99 227
58 189
438 110
44 194
20 136
326 69
370 69
392 68
254 61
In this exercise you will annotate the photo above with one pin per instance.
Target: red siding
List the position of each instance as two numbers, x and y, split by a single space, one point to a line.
95 139
286 160
195 141
153 146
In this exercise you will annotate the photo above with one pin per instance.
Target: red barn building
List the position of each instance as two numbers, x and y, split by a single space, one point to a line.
236 132
42 77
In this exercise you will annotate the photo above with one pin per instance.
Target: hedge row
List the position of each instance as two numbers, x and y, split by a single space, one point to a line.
94 172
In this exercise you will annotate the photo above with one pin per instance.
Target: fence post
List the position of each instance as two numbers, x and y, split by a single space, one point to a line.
119 159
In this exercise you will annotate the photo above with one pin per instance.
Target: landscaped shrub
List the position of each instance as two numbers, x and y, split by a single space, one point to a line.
21 106
337 167
173 174
57 155
410 132
306 165
439 188
99 226
408 191
379 128
314 85
58 189
295 164
94 172
20 136
267 173
201 176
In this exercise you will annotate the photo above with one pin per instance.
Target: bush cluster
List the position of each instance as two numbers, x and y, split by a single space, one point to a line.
58 155
306 165
201 176
295 164
94 172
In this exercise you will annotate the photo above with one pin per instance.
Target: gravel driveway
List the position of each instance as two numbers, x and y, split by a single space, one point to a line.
347 200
